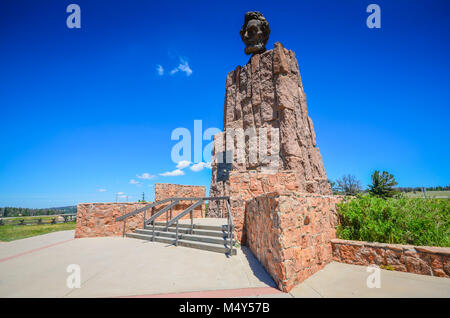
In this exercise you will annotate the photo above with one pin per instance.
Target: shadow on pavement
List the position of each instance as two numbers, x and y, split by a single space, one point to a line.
257 268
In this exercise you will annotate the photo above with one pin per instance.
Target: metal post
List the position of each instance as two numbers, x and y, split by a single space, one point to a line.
171 213
145 215
124 224
192 222
176 237
231 240
153 238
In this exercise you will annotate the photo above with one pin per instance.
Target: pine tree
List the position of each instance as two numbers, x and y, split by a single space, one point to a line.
382 184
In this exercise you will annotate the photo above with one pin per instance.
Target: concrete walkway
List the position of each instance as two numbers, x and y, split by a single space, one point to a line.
118 267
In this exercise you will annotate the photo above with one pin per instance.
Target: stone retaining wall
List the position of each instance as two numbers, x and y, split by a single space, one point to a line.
169 190
98 219
424 260
290 234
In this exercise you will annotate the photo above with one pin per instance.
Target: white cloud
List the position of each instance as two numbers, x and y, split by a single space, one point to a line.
183 164
199 166
183 66
119 193
173 173
160 70
102 190
146 176
132 181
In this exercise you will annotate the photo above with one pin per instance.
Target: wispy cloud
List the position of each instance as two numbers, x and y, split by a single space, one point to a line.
102 190
132 181
160 70
199 166
183 164
146 176
174 173
183 67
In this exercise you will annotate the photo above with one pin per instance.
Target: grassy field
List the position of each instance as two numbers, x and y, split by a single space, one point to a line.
16 232
430 194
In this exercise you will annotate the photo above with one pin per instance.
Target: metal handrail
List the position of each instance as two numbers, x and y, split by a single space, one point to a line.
180 215
230 224
151 205
190 210
160 212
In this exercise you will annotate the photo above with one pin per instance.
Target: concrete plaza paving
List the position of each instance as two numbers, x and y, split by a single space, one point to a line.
125 267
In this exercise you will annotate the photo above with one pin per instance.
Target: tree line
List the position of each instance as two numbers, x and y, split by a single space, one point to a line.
383 185
12 211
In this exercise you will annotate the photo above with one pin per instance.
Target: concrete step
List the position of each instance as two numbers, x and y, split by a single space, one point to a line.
187 230
196 226
187 237
192 244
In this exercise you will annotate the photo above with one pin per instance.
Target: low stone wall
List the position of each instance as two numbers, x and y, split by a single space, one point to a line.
290 234
424 260
98 219
169 190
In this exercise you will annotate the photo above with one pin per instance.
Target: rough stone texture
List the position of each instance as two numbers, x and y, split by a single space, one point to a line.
168 190
245 185
268 93
424 260
290 234
98 219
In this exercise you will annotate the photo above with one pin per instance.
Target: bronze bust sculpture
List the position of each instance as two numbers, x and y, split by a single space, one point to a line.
255 33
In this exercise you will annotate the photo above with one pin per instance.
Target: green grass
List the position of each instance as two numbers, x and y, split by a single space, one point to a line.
399 220
430 194
16 232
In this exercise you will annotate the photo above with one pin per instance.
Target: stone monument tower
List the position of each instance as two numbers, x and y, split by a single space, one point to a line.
266 96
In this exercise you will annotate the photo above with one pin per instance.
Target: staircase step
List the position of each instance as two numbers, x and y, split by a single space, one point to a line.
187 237
196 226
193 244
184 230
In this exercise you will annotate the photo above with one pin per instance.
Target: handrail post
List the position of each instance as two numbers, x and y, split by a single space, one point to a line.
171 213
145 215
153 238
192 222
176 236
124 225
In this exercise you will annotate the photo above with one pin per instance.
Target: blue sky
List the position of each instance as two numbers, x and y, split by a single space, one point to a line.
86 109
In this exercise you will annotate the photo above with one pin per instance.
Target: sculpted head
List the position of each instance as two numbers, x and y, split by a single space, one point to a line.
255 33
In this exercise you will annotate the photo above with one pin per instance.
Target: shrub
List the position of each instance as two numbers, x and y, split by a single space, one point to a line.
399 220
